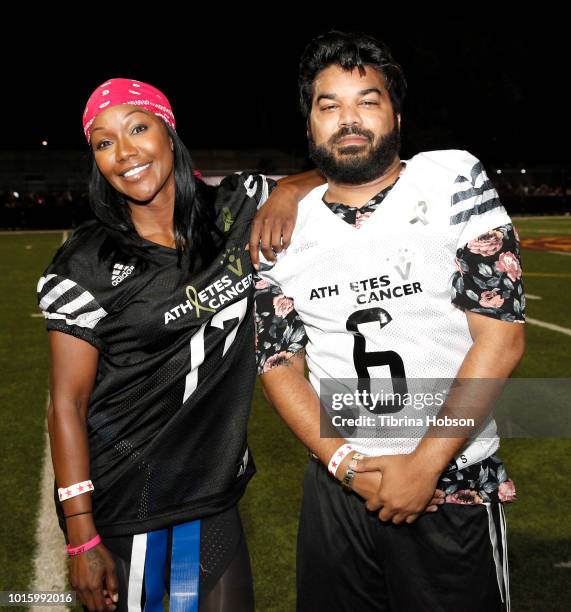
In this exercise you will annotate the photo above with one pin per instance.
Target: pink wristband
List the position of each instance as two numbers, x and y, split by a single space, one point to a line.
71 551
337 457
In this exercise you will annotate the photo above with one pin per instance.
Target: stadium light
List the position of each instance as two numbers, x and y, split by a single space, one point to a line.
498 171
45 143
523 170
16 194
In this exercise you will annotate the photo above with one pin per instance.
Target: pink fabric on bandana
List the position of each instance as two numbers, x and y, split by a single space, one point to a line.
126 91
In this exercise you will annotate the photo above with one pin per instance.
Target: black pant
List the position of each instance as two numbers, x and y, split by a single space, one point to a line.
348 560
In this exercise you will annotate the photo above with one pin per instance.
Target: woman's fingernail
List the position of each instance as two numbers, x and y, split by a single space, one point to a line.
115 597
257 266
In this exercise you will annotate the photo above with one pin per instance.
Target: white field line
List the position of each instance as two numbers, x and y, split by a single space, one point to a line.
563 565
50 565
528 296
551 326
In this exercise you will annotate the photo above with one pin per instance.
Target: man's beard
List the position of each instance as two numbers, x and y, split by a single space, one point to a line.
351 167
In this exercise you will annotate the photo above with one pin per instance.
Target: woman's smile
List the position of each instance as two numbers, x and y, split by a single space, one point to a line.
135 173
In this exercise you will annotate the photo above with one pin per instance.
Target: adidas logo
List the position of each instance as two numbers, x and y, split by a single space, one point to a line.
120 273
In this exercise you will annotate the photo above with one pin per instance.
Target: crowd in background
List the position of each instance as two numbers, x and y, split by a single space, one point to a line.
65 209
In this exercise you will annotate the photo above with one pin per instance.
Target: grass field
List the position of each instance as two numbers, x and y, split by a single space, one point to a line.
539 526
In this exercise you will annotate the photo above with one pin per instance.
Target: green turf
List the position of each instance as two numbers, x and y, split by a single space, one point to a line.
23 392
540 532
534 227
547 353
271 506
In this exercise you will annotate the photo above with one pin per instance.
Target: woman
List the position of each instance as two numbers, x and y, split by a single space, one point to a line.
150 313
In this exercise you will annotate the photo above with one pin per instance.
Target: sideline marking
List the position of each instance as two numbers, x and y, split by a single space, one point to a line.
50 560
551 326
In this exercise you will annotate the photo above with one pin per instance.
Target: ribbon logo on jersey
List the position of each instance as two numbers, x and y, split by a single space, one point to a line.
420 213
192 297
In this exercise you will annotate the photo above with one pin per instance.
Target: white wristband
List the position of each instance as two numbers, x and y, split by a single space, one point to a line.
75 489
337 457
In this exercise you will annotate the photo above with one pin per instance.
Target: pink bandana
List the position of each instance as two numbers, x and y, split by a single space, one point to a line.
126 91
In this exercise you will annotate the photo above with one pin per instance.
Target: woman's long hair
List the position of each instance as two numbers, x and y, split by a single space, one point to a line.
193 223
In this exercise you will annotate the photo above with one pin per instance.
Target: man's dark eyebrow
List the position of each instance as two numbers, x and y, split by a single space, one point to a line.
363 92
137 110
326 96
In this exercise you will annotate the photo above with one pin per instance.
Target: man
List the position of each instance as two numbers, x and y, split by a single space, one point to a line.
410 268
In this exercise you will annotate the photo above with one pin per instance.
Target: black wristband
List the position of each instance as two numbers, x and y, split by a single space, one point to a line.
77 514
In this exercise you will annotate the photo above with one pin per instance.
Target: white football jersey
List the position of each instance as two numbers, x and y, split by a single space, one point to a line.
389 283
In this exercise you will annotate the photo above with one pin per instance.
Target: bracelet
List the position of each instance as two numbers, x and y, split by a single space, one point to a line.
75 489
77 550
355 459
337 457
347 481
77 514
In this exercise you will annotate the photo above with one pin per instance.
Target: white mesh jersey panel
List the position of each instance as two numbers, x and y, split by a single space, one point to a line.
401 260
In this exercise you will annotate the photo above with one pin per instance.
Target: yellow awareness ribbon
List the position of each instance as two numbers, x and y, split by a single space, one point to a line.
193 299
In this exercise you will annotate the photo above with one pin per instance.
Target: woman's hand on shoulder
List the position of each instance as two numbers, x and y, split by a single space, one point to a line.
273 224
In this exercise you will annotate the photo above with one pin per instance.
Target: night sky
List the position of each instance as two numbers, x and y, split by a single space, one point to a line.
493 85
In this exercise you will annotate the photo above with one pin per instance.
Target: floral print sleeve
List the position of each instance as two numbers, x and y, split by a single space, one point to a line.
488 278
280 333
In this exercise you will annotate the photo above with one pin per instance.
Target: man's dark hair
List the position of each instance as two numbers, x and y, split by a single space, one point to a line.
348 50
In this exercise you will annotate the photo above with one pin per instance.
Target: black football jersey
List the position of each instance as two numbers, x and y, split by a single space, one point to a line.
168 415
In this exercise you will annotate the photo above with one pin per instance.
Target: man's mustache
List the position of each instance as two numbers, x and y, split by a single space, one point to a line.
348 131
